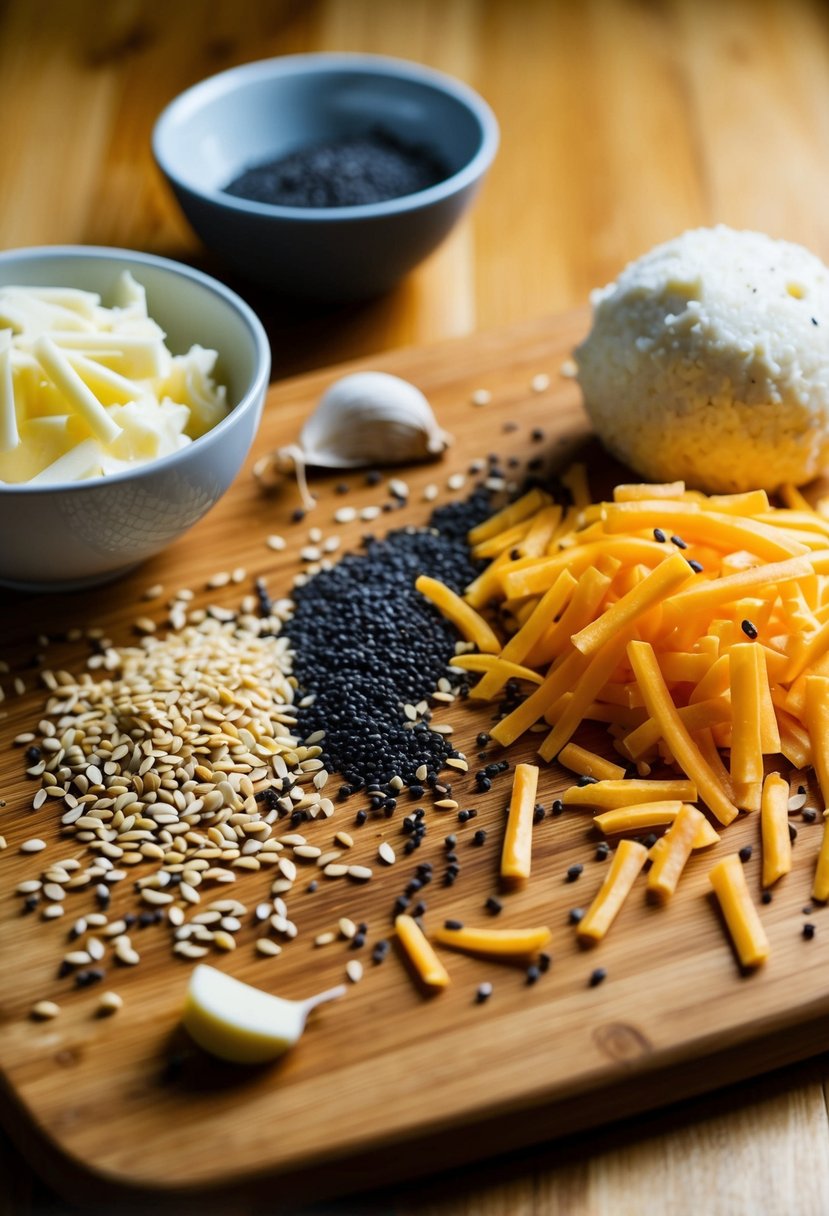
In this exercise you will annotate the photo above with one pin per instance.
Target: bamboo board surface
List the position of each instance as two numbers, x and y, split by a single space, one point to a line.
385 1071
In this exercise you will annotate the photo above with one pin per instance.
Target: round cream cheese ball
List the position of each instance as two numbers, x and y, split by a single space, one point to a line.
708 362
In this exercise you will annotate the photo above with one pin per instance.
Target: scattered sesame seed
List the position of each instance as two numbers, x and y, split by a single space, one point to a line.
483 992
34 845
481 396
109 1003
45 1010
540 382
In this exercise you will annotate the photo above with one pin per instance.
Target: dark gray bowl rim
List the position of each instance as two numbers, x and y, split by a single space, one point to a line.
258 383
324 63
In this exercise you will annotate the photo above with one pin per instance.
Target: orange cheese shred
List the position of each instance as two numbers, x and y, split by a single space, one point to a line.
728 879
516 854
470 624
678 843
495 943
627 862
774 829
418 949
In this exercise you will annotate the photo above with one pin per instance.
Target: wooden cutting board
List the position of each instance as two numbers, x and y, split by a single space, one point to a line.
385 1083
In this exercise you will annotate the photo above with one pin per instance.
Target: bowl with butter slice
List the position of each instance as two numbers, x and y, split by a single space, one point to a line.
131 388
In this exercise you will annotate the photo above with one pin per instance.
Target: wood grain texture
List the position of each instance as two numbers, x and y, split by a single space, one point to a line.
623 121
386 1076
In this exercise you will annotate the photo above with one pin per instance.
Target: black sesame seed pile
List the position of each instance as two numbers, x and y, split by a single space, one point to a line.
367 643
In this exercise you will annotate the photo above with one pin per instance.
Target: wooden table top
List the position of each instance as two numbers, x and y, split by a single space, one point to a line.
622 124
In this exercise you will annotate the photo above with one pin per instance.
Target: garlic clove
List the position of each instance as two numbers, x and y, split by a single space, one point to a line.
371 418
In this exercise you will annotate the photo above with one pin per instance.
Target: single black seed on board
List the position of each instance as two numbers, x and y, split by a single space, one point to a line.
745 852
597 977
480 837
766 897
809 814
544 961
575 915
557 808
453 924
483 739
808 931
585 780
602 851
792 833
484 992
493 905
749 629
532 974
574 872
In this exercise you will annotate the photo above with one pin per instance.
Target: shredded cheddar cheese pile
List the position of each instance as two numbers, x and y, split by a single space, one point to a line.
697 629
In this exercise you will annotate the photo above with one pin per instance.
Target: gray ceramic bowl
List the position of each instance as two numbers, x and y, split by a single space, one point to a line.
258 112
79 533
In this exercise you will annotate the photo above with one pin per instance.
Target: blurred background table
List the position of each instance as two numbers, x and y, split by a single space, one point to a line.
623 122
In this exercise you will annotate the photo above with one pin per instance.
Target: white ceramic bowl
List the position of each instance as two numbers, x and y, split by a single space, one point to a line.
59 537
261 111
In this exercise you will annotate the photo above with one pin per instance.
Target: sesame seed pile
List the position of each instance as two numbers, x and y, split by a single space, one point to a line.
370 650
183 755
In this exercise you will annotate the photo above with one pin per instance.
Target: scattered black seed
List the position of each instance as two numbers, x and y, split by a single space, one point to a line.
801 789
574 872
650 840
597 977
401 904
342 487
696 566
64 969
602 851
809 814
544 961
479 837
575 915
557 808
808 931
493 905
679 542
297 515
483 739
659 535
766 897
484 992
419 909
379 951
358 941
749 629
453 924
451 840
145 919
792 833
361 817
91 976
464 816
745 852
536 434
585 780
482 783
533 973
312 886
373 477
538 813
33 754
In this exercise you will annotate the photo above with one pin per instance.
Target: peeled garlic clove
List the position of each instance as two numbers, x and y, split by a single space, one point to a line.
237 1022
371 418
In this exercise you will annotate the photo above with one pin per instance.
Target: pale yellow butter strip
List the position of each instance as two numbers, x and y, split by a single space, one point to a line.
9 435
79 398
84 460
137 355
110 385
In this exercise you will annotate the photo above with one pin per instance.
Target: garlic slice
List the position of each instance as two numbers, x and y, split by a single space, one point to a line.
364 419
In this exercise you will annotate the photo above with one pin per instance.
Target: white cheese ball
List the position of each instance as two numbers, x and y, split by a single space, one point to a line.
708 362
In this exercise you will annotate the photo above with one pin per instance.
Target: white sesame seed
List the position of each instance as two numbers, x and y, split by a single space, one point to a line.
310 553
53 912
354 970
540 382
35 845
45 1010
335 869
277 543
220 579
481 396
386 853
29 886
125 952
347 927
456 482
325 939
152 593
345 839
265 946
223 940
398 488
797 802
109 1003
369 513
568 369
361 873
430 492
